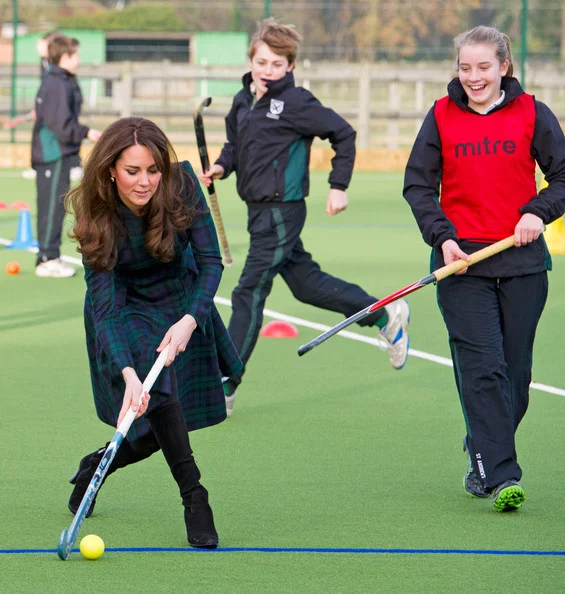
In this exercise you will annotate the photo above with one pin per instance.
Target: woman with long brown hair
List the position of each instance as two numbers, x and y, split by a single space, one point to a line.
152 267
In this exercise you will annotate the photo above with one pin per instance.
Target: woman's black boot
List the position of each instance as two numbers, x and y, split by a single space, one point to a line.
128 453
81 479
169 427
198 516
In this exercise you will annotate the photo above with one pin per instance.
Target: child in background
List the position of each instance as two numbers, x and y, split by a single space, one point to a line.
55 146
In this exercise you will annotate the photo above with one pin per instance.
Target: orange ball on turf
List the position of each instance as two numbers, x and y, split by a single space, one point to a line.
12 268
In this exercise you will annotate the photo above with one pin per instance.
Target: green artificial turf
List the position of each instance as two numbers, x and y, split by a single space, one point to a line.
325 454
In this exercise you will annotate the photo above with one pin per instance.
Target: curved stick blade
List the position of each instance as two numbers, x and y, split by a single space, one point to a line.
64 547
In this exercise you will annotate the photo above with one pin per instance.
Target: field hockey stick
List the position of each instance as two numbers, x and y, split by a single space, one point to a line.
16 121
68 537
205 162
435 276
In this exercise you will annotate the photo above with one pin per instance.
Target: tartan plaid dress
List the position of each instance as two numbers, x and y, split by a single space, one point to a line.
129 309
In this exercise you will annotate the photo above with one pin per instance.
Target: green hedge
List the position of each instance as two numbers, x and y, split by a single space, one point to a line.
132 18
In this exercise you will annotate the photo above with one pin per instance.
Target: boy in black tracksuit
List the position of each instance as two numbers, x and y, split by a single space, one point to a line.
477 151
56 140
270 129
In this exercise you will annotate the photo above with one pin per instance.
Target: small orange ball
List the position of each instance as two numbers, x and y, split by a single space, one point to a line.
12 268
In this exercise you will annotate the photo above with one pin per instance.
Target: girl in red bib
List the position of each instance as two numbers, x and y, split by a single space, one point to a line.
470 181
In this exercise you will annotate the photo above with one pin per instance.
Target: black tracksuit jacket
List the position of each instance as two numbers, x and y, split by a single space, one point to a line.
57 132
422 188
269 142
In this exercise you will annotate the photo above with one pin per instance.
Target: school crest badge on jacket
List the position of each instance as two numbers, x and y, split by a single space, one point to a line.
277 107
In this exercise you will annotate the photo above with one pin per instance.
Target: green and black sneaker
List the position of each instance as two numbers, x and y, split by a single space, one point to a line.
508 496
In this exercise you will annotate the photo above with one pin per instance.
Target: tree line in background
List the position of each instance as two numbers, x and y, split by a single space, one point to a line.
332 29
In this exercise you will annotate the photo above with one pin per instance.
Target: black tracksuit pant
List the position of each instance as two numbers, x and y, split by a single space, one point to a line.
492 324
52 183
276 248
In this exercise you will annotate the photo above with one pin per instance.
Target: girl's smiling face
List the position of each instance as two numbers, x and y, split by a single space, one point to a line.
481 74
266 66
137 177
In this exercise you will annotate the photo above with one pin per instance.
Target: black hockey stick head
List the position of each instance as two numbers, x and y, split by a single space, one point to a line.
206 102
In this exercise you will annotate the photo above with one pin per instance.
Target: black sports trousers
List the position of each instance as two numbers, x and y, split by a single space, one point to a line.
52 183
492 324
276 248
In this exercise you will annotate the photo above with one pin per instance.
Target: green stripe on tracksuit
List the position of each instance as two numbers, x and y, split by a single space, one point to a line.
265 281
52 183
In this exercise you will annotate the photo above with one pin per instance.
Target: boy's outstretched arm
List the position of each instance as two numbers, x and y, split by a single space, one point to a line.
312 119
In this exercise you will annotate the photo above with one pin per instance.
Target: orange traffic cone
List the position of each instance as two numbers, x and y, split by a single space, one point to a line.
279 329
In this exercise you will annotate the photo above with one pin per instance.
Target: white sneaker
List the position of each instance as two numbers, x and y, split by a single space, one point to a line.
55 268
76 173
395 333
230 401
29 173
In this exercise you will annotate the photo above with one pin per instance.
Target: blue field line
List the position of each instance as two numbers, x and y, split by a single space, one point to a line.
315 550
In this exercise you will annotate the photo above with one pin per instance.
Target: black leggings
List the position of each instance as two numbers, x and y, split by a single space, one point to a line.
169 434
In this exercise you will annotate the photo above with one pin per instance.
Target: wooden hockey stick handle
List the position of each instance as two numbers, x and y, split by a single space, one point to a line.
483 254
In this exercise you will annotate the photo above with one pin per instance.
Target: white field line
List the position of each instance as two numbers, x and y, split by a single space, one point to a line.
344 333
375 341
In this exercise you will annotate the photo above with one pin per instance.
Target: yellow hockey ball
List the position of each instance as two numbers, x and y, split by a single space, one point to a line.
92 546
